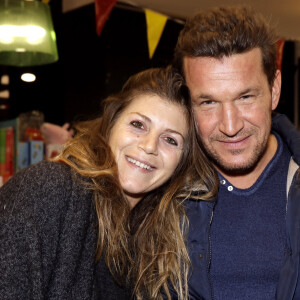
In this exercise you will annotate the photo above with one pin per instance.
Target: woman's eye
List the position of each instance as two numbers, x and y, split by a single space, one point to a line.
137 124
171 141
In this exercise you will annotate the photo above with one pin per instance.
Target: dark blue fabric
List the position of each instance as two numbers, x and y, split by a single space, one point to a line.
289 280
283 126
248 234
199 214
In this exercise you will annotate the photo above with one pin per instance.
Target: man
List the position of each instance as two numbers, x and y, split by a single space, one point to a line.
245 245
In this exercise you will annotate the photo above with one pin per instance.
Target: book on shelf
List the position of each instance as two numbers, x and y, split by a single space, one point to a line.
12 127
2 151
20 146
6 154
9 153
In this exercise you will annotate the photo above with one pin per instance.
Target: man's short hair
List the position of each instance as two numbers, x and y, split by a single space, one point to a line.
224 31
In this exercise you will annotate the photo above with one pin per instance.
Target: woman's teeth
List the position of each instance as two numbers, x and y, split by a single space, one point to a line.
139 164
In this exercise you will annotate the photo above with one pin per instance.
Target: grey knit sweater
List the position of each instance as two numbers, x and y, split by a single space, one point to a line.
48 239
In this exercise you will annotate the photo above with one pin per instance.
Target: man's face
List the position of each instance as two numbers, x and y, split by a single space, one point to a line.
233 102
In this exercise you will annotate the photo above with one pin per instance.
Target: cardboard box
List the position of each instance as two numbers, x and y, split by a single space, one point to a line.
23 155
36 151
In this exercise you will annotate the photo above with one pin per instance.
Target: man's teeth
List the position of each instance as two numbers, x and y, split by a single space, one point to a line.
139 164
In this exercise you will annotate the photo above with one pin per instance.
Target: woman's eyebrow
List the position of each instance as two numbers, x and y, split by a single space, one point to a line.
142 116
175 132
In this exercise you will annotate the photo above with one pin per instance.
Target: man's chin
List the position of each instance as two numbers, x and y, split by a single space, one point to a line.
235 170
238 163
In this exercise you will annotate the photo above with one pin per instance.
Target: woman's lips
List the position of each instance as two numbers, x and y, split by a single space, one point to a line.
140 163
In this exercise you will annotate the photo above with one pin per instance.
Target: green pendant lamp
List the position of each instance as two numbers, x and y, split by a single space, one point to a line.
27 37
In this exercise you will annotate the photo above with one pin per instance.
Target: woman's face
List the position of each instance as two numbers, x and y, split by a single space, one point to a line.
147 141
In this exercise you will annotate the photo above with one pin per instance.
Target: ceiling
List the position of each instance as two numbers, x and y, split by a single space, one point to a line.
285 15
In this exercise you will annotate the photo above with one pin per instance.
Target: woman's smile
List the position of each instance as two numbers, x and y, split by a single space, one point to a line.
139 163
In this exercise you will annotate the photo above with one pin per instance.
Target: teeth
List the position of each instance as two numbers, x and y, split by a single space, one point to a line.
139 164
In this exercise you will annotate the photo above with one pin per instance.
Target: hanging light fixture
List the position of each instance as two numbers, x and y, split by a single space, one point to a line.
27 37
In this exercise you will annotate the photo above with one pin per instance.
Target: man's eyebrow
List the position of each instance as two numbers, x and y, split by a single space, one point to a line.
202 97
248 90
208 96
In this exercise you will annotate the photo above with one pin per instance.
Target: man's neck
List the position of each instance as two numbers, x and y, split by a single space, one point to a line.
247 180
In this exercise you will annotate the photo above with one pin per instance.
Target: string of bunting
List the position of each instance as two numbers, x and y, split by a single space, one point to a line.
155 24
155 21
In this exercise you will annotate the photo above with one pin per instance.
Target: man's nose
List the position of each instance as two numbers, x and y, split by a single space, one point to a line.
231 120
149 143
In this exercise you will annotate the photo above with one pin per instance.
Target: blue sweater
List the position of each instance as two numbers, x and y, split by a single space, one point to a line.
248 234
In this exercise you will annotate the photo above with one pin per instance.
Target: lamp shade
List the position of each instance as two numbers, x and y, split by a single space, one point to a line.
27 37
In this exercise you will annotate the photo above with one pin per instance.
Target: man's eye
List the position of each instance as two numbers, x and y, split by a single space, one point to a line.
171 141
208 102
245 97
137 124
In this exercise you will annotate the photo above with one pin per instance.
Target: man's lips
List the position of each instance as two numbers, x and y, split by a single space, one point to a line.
235 142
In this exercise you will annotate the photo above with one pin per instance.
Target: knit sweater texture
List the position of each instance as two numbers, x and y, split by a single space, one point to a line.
48 238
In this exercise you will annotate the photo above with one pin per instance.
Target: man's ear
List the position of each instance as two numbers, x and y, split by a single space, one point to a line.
276 89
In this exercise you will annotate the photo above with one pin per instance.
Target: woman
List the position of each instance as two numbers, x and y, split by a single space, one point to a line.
115 196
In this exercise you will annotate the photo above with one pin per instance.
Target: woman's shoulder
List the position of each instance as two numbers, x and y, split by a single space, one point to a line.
45 169
39 178
45 186
45 174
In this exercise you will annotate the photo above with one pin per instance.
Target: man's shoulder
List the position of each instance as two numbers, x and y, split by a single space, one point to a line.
289 134
198 208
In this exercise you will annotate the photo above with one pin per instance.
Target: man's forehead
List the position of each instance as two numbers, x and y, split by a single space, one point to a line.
222 66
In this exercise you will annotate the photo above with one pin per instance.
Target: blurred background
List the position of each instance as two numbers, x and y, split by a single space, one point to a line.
92 66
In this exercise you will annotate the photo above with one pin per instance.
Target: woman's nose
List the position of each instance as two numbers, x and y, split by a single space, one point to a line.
149 143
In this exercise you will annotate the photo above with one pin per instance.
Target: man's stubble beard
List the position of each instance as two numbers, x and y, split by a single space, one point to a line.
237 168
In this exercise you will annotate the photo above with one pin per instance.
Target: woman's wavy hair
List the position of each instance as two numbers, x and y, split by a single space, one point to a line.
144 245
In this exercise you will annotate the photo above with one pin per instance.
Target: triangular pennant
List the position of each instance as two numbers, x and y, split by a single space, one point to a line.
280 45
155 25
103 9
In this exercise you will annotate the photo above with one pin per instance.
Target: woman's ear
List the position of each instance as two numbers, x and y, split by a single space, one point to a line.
276 89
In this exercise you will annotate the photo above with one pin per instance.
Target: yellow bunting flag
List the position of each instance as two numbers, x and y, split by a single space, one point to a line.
155 25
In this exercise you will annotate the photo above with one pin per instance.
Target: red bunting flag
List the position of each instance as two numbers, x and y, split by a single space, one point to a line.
103 9
280 45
